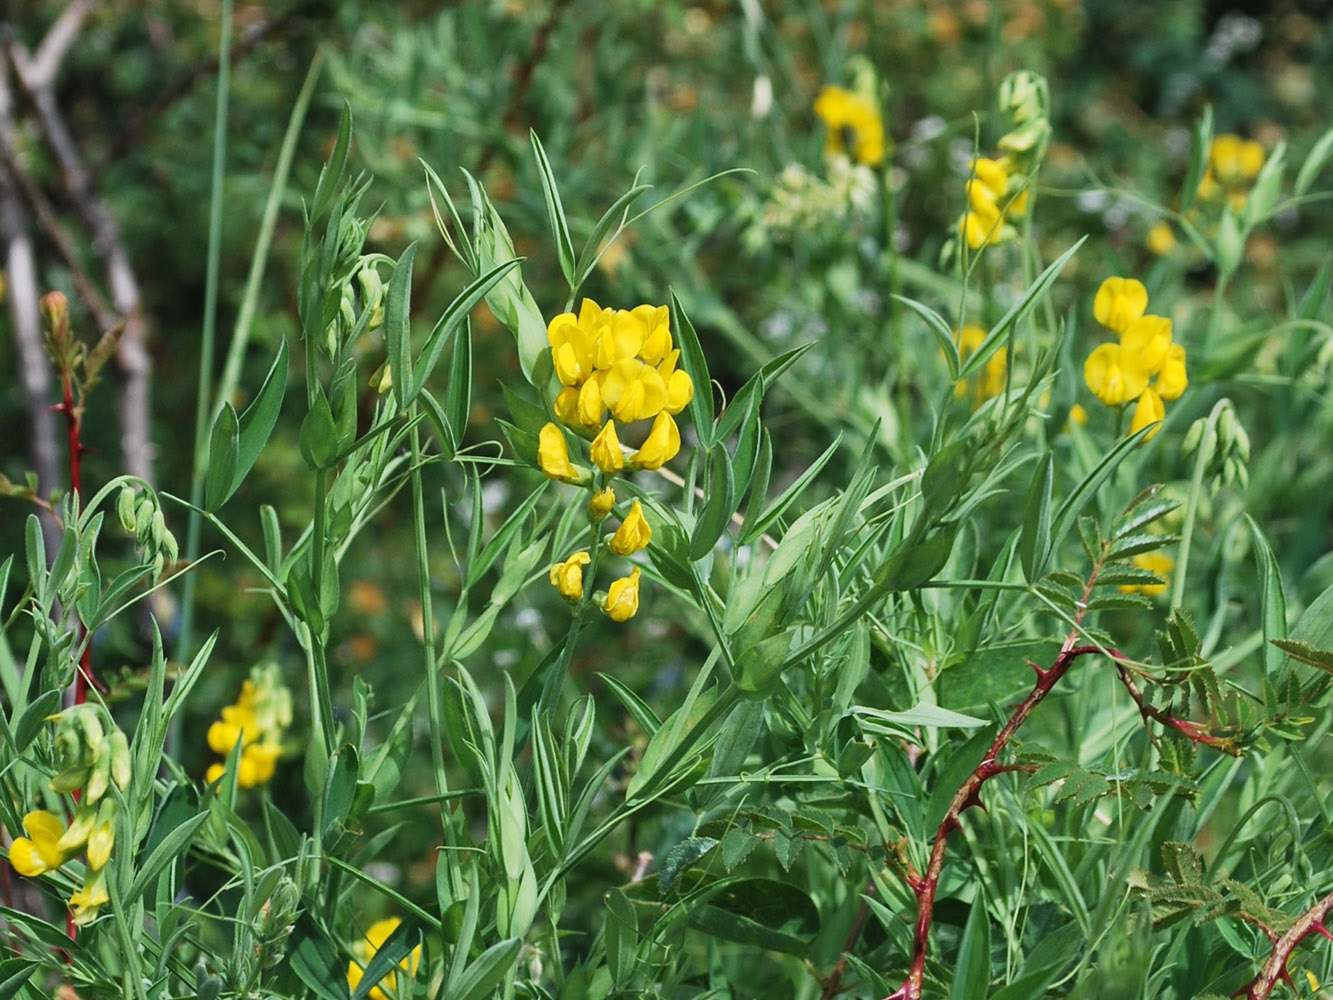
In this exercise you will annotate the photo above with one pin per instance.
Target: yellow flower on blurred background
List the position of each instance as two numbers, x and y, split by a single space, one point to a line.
633 534
553 455
1119 302
853 125
257 721
39 852
1233 165
1158 563
1114 376
991 379
622 597
994 195
365 950
567 576
1160 239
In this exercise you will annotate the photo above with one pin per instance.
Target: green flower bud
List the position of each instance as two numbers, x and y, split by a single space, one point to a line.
125 509
100 778
143 519
120 759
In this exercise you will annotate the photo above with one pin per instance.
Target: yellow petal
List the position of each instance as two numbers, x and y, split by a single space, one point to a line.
661 445
590 408
553 455
606 452
1119 302
1172 380
1148 411
1148 339
622 597
633 534
1113 376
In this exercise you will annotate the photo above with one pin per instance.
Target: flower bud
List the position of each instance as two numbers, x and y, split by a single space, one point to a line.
601 503
633 534
55 312
120 759
553 455
606 453
567 576
125 509
622 597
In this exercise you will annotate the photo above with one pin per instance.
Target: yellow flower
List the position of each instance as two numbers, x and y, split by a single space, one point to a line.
606 453
257 764
633 534
622 597
1119 302
262 712
1155 562
661 445
365 950
87 901
853 124
1148 411
1234 161
992 378
73 839
589 408
40 851
103 835
1161 240
1078 415
567 577
1148 338
1113 375
601 503
553 455
1172 380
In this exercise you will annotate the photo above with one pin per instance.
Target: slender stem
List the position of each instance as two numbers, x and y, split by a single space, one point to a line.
320 695
1206 445
1274 969
434 703
207 337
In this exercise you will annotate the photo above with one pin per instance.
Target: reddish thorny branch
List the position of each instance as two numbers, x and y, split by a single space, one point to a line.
924 885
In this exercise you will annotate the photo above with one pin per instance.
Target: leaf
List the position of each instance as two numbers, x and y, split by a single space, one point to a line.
396 947
314 959
737 845
978 358
971 980
930 716
14 973
173 844
757 525
331 173
1089 486
319 434
1272 603
1203 139
719 504
940 328
479 980
1305 653
1035 543
260 417
555 212
680 857
696 366
454 316
593 249
398 327
220 480
622 936
30 723
1314 163
458 402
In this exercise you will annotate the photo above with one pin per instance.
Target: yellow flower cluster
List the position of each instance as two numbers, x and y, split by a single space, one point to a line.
1233 164
262 712
990 381
854 125
1123 371
614 365
996 193
365 950
92 760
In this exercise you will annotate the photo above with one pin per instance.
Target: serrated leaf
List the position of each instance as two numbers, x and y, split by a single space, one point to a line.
1127 546
1120 602
680 857
1305 653
737 845
788 844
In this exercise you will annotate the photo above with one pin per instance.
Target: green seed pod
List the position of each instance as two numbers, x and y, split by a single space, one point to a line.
125 509
143 519
169 548
159 527
1192 438
120 759
90 727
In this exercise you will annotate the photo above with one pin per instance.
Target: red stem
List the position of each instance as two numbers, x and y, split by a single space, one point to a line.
73 426
1274 970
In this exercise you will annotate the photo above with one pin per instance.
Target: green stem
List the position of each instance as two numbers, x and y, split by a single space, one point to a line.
1206 445
208 335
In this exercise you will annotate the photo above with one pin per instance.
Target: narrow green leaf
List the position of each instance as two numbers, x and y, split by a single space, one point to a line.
719 504
315 960
222 459
1203 140
458 402
319 434
398 326
1272 602
454 317
938 326
396 947
1314 162
555 212
756 526
260 417
331 173
643 715
479 980
14 974
997 335
1035 543
1088 488
971 979
172 846
593 249
696 366
30 723
622 936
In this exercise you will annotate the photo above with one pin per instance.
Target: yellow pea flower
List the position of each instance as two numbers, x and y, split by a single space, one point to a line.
606 453
622 597
567 406
553 455
1235 161
1148 338
1155 562
39 851
567 577
1119 302
590 409
1161 240
103 835
1172 380
1078 415
1149 411
365 950
80 827
633 534
680 390
88 900
1114 376
851 121
601 503
661 445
